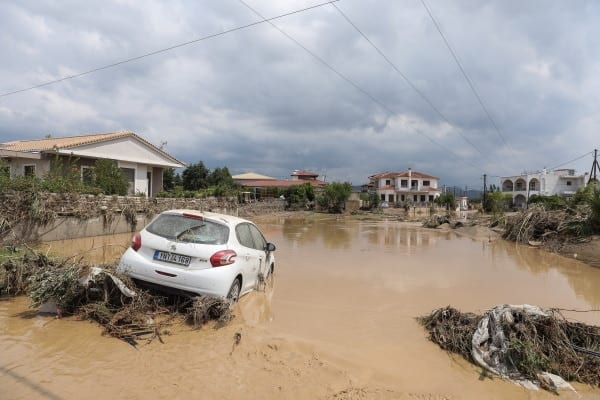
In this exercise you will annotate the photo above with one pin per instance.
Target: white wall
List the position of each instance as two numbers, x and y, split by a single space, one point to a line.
140 180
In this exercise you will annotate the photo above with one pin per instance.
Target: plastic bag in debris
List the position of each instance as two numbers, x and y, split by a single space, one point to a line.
95 271
489 344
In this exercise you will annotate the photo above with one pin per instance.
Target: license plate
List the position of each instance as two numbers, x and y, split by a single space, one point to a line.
172 258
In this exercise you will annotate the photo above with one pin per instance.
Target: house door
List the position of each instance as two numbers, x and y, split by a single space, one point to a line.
149 184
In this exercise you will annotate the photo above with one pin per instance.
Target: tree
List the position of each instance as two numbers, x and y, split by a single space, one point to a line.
195 177
371 199
299 196
220 177
446 200
109 177
177 180
496 202
590 197
169 179
334 196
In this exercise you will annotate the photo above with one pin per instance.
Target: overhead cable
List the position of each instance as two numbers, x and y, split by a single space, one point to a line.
356 86
573 160
407 80
176 46
464 73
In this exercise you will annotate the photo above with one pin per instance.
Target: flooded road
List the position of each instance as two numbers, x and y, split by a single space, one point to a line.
336 322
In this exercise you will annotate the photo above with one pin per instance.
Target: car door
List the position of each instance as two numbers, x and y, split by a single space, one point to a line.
260 244
251 259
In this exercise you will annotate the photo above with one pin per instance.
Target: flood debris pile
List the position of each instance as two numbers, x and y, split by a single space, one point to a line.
98 293
203 309
437 220
526 344
17 269
549 227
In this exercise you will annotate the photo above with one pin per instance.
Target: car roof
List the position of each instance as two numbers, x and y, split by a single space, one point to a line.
228 219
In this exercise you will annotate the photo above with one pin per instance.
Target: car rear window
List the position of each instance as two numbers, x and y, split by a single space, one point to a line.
191 230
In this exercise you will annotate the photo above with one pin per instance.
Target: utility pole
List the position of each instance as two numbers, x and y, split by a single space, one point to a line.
484 191
595 168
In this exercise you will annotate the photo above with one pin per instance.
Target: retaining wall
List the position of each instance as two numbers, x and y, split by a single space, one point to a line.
57 216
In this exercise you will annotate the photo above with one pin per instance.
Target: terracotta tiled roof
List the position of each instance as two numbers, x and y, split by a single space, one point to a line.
304 173
71 142
278 183
403 174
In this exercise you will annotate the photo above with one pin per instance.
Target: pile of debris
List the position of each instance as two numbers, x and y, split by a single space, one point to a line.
99 293
437 220
526 344
553 228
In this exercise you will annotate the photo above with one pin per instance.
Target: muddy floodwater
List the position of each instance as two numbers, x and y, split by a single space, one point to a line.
336 322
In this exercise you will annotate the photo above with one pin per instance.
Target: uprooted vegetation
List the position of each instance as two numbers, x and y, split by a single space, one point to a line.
98 293
552 228
553 221
521 343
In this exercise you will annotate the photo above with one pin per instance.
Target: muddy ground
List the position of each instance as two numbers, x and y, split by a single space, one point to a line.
336 322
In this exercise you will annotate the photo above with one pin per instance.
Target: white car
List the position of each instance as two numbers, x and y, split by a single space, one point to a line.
205 253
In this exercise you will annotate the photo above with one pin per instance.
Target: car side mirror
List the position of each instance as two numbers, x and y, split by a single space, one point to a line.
270 247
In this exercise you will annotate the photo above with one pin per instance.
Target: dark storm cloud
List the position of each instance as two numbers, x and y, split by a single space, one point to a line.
253 100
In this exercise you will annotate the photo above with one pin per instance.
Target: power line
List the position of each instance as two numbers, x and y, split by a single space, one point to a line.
406 79
464 73
128 60
573 160
556 166
354 84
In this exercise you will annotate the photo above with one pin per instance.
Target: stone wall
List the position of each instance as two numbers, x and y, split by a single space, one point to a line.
34 217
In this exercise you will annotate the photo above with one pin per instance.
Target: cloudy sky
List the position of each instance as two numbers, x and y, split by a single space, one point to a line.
347 91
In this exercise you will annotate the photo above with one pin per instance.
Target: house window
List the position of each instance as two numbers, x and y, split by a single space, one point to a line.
415 198
430 198
568 183
520 186
391 198
383 197
425 183
404 183
130 176
29 170
423 198
414 184
388 182
532 185
87 175
401 197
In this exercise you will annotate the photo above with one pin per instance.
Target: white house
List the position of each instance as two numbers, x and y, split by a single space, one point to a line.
406 186
561 182
142 162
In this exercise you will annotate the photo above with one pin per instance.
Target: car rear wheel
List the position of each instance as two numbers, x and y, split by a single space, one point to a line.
234 292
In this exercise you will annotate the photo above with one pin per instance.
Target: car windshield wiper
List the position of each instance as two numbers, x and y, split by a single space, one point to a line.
190 229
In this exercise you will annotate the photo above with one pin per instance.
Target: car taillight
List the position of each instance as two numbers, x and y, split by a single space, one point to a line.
223 257
136 242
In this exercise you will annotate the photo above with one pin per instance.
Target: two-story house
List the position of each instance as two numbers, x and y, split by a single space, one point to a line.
405 187
561 182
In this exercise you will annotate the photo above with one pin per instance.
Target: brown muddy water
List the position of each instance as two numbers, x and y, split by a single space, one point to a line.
336 322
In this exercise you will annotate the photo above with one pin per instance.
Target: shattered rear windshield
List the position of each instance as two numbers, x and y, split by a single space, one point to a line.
190 230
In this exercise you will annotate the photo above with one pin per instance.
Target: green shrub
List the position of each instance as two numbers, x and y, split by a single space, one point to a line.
549 202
